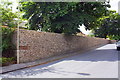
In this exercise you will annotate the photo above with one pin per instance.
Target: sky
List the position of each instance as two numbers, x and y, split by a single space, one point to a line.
114 6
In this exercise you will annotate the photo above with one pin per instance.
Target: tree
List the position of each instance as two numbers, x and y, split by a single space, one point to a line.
7 15
62 17
7 19
109 26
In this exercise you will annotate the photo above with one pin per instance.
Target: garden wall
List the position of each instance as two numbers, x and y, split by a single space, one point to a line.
38 45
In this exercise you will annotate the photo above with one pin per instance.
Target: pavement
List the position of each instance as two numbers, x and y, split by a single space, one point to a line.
99 63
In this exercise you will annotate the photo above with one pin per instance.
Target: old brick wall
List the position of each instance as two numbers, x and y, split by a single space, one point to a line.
38 45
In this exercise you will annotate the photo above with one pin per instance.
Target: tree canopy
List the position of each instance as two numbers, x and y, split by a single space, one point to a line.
109 26
63 17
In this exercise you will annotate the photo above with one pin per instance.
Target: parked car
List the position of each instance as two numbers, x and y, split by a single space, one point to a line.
118 45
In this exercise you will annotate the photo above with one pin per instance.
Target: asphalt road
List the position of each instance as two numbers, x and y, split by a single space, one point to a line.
99 63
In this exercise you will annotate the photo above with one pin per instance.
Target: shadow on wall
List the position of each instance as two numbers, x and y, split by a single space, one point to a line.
69 38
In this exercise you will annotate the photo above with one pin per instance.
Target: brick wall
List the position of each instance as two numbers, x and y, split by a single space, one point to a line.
38 45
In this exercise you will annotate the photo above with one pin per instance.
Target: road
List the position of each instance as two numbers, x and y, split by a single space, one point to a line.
99 63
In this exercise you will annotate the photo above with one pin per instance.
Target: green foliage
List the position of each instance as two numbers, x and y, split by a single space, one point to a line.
91 35
7 15
114 37
7 18
109 26
62 17
7 38
4 60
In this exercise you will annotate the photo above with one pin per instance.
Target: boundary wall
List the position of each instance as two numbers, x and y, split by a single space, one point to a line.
35 45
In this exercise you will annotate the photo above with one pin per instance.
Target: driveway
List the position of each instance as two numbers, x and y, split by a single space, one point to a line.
99 63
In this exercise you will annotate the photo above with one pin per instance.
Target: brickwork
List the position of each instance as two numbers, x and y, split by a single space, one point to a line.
38 45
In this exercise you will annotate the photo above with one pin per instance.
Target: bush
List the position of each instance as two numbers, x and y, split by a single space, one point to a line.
114 37
6 61
7 38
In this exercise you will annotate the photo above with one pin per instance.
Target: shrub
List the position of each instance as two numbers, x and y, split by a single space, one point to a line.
7 38
6 61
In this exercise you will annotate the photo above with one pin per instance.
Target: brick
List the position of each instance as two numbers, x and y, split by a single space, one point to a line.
24 47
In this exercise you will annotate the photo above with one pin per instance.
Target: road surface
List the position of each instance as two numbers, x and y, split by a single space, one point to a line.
99 63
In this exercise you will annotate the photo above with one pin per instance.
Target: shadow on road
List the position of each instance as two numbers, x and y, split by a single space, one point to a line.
98 55
92 56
